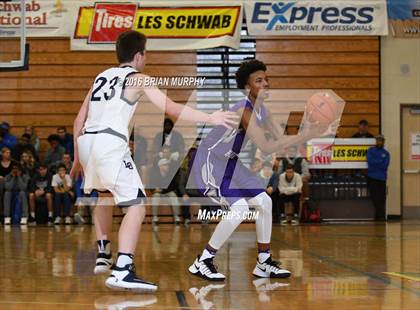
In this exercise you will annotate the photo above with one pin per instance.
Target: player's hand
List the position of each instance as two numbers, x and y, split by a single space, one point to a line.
227 119
76 170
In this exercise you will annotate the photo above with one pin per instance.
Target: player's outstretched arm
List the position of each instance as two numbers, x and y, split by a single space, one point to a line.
77 130
163 102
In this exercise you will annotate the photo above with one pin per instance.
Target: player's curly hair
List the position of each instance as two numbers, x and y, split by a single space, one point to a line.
246 69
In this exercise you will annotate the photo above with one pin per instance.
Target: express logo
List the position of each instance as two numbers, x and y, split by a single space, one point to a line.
289 13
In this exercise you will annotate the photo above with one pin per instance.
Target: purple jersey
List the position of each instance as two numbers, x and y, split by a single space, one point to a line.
224 142
216 169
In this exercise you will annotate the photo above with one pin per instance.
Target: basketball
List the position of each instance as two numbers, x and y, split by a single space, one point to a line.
322 108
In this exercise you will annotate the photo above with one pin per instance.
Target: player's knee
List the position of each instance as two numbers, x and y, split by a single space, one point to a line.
264 202
240 206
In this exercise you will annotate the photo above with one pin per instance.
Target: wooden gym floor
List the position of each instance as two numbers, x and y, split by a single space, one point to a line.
334 266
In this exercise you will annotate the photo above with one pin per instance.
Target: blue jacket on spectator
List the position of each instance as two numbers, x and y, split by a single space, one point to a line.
378 162
274 181
8 140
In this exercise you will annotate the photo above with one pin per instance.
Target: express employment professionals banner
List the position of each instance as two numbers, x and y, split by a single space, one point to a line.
167 25
322 17
342 154
404 18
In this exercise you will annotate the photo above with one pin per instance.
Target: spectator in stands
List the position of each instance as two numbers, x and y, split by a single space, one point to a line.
170 138
28 163
66 140
138 148
187 191
300 166
363 130
40 194
15 192
5 168
34 140
63 195
6 139
266 172
378 161
290 188
56 151
24 145
65 160
159 177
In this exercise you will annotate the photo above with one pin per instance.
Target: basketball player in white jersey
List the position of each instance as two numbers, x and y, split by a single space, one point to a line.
102 152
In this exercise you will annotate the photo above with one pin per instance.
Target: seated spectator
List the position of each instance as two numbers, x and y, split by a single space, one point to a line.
266 172
55 152
290 188
65 160
34 140
15 193
187 191
5 168
300 165
66 140
6 139
40 195
63 195
24 145
28 163
363 130
170 138
159 178
138 149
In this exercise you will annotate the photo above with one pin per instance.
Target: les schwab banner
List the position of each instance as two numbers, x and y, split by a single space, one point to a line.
184 26
342 154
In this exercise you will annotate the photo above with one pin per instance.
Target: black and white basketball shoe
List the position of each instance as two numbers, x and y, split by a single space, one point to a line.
125 279
206 269
270 269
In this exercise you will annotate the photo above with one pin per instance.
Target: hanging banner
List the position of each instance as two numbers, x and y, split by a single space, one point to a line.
43 18
191 25
342 154
404 18
308 17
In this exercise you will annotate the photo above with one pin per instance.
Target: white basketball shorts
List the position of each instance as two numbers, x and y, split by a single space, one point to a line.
107 165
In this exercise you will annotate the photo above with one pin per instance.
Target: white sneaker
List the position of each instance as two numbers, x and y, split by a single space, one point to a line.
177 220
270 269
206 269
24 221
7 221
57 220
79 219
68 220
103 263
125 279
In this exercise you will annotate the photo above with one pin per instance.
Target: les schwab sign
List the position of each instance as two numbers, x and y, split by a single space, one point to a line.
97 27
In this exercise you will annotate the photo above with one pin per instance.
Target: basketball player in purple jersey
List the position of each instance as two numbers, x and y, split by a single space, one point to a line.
219 174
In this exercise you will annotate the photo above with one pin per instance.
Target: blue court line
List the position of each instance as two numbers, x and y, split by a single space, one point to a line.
353 269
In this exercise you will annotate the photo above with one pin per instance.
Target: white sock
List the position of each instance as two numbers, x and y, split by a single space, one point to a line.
206 254
33 214
50 214
263 256
124 259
